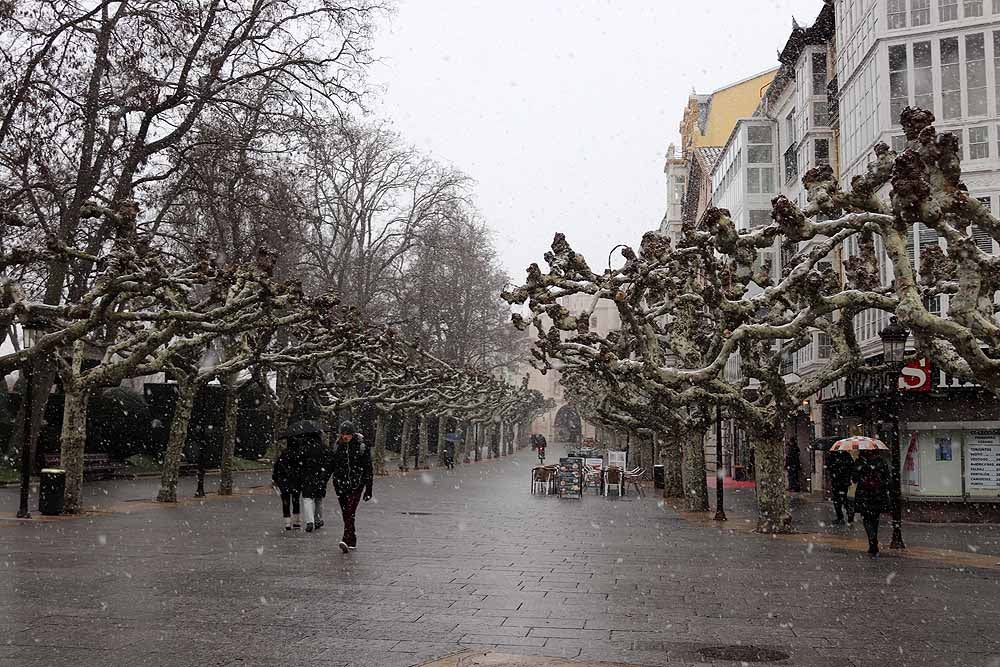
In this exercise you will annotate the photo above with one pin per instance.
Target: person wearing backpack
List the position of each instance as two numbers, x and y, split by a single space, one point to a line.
871 474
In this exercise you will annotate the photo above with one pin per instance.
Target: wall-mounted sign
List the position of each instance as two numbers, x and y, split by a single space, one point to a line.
915 376
982 460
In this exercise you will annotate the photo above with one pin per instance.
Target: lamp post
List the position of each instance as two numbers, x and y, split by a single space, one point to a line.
894 337
28 329
720 473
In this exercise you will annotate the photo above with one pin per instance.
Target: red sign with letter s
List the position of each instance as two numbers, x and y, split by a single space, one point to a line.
916 376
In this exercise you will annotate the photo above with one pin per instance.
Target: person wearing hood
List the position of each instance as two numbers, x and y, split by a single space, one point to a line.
353 478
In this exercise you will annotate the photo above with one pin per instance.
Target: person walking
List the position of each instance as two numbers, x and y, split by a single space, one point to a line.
286 479
871 474
793 465
352 476
841 467
313 469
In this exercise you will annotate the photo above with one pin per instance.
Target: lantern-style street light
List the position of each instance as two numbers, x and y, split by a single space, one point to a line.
894 337
29 330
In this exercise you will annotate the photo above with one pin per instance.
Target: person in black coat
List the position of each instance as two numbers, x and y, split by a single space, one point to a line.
841 467
286 479
315 474
353 478
871 474
793 465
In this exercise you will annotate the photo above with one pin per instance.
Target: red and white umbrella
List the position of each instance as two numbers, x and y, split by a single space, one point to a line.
858 443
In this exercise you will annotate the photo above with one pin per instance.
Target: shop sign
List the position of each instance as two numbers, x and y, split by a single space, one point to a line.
916 376
946 381
982 460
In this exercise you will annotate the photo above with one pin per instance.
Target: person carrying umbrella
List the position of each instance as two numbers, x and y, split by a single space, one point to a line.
311 468
871 474
351 466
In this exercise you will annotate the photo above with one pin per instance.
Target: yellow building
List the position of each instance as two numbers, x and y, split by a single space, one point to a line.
708 121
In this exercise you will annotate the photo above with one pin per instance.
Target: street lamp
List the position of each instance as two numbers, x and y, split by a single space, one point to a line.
894 337
29 328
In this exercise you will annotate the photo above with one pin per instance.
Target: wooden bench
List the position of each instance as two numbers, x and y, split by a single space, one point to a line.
98 466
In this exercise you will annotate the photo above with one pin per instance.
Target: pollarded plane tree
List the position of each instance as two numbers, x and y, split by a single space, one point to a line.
687 311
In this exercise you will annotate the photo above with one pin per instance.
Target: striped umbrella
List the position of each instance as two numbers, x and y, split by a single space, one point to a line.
858 443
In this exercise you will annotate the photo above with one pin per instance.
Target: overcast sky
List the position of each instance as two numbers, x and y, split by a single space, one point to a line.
562 111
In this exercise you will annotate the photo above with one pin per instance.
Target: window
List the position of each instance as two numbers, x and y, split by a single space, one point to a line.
996 61
981 236
787 361
821 114
973 8
947 10
899 143
759 219
975 74
920 12
996 6
824 346
759 149
979 143
951 86
821 150
760 180
898 89
897 14
791 163
923 77
933 304
819 74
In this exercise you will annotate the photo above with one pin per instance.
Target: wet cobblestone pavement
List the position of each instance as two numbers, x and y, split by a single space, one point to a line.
466 560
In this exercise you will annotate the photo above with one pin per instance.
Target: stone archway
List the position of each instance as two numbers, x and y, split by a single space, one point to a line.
568 427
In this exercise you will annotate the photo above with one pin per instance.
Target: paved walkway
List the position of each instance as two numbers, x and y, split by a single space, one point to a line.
453 561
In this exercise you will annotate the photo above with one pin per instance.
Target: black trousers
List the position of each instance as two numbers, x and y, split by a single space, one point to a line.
870 519
348 509
289 503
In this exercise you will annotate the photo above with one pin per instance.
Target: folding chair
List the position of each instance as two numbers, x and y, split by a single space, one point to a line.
613 477
634 478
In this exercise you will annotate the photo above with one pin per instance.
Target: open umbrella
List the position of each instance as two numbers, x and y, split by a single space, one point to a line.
858 443
303 427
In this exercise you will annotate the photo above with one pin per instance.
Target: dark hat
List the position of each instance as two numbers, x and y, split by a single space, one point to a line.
346 426
303 427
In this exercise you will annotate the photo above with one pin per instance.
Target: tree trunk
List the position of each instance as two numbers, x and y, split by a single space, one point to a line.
673 469
424 443
228 440
381 426
772 501
477 449
442 424
407 440
463 446
186 391
695 480
282 409
74 443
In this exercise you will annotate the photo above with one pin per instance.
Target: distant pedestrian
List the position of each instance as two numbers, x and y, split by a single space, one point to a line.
841 467
871 474
286 478
538 443
353 478
793 465
449 452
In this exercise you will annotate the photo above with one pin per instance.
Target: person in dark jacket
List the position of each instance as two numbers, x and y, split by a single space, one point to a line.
871 474
286 479
841 467
351 466
314 471
793 465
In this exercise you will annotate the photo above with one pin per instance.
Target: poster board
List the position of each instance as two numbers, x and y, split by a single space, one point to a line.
569 480
982 460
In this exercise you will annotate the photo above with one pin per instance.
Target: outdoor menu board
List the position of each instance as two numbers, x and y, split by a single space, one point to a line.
570 478
982 460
